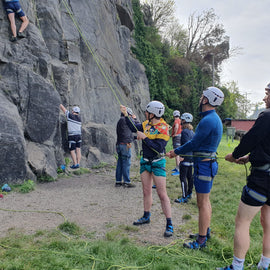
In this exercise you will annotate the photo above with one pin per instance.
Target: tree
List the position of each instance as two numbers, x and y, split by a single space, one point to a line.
207 43
158 13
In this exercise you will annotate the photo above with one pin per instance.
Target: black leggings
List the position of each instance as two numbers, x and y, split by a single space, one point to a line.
186 179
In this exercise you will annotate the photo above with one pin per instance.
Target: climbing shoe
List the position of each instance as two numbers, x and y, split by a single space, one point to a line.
21 35
142 221
195 236
169 231
230 267
181 200
13 39
129 185
195 245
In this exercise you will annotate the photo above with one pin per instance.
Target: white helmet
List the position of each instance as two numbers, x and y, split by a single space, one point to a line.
176 113
129 111
187 117
76 109
156 108
215 96
267 86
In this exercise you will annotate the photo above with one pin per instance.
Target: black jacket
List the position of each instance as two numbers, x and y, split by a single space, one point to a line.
124 134
256 141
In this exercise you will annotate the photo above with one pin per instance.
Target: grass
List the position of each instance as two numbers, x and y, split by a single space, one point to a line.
69 247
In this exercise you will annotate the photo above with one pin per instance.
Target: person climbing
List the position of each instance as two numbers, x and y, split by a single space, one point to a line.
204 145
185 166
123 148
176 139
13 8
154 132
74 125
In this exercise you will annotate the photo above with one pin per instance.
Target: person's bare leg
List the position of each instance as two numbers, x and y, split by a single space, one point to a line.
73 156
205 212
11 17
24 24
265 221
78 155
146 179
244 216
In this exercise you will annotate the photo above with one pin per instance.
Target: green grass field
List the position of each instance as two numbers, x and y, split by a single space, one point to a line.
70 247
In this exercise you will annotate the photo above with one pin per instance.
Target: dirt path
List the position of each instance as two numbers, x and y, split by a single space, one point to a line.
91 201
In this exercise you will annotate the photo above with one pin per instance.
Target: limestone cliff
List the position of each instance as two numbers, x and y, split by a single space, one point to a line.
77 52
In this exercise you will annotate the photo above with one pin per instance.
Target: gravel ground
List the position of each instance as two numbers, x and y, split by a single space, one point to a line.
92 202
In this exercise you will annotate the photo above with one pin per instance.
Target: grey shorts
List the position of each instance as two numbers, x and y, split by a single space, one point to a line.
176 141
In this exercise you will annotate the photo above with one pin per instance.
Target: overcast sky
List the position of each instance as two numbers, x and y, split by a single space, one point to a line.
247 23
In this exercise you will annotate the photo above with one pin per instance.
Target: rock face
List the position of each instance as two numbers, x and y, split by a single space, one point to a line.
75 53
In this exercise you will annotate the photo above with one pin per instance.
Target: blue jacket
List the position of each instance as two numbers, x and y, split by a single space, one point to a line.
207 135
186 136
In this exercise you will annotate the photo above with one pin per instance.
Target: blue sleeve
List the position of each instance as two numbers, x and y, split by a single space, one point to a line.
202 131
134 127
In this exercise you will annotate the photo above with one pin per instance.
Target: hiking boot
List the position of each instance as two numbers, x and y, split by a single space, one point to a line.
195 236
118 184
13 39
129 185
195 244
176 173
21 35
181 200
141 221
230 267
169 231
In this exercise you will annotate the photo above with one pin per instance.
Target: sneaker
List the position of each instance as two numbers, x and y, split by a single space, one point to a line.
118 184
169 231
176 173
262 268
181 200
195 244
141 221
154 186
174 170
13 39
77 166
129 185
73 167
189 196
21 35
230 267
195 236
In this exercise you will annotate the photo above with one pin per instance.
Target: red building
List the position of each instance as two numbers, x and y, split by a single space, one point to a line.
242 124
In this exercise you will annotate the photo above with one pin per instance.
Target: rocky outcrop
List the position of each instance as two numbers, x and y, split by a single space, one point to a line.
75 53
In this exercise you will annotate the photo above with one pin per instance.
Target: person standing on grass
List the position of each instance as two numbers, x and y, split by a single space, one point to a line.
123 148
176 139
74 124
204 145
186 164
254 147
154 132
13 8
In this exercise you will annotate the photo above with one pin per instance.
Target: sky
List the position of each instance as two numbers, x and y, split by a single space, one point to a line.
247 23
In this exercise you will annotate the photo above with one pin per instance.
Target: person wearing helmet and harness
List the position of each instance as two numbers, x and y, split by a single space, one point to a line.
176 138
74 124
123 148
154 132
204 145
185 166
254 147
